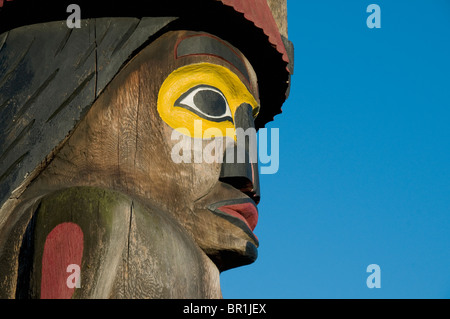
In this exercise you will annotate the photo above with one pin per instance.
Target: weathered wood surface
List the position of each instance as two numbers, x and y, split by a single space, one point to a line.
279 12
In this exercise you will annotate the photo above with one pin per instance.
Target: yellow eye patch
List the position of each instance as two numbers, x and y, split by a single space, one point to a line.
207 92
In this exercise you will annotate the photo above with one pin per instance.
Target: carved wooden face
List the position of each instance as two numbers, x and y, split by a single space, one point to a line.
179 96
208 90
213 84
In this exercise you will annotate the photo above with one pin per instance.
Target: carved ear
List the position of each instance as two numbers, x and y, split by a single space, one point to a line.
109 246
66 255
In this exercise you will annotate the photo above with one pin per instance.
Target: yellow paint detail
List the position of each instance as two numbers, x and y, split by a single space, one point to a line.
190 76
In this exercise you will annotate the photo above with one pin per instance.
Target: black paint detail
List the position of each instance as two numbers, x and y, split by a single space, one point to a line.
242 175
19 137
5 104
13 166
206 103
77 91
14 66
86 56
3 38
132 28
64 41
210 102
206 44
229 202
228 259
244 116
35 95
26 256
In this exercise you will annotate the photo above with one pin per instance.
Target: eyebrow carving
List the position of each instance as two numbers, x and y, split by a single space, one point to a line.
204 44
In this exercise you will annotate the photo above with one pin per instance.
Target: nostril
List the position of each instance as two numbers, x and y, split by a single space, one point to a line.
244 185
256 198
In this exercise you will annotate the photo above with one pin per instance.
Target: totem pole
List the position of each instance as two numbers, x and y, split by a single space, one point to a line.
92 202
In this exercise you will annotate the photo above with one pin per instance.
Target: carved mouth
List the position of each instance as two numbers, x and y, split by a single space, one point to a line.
242 210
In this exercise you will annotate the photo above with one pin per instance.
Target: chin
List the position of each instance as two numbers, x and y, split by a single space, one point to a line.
228 258
226 240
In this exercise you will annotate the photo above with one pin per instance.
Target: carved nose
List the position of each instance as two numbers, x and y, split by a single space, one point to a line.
240 163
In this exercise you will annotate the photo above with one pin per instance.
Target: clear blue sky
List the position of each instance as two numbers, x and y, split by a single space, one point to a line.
364 158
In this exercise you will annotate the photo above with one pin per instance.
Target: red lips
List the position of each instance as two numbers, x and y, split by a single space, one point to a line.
246 212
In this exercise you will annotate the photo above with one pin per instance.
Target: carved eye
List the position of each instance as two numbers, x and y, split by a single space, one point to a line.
207 102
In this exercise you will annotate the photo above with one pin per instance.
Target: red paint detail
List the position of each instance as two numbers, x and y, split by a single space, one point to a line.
258 11
246 212
63 247
2 1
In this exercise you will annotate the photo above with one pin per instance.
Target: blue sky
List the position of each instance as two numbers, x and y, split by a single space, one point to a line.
364 158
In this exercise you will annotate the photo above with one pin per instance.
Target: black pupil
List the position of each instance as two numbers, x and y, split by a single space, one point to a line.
211 103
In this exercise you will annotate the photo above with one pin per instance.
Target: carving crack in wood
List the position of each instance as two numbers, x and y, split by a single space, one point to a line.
15 65
130 225
96 58
137 123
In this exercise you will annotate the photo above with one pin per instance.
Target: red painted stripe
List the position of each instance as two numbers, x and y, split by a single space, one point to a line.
63 247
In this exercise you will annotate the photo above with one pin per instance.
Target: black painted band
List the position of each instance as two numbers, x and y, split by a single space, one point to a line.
209 45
